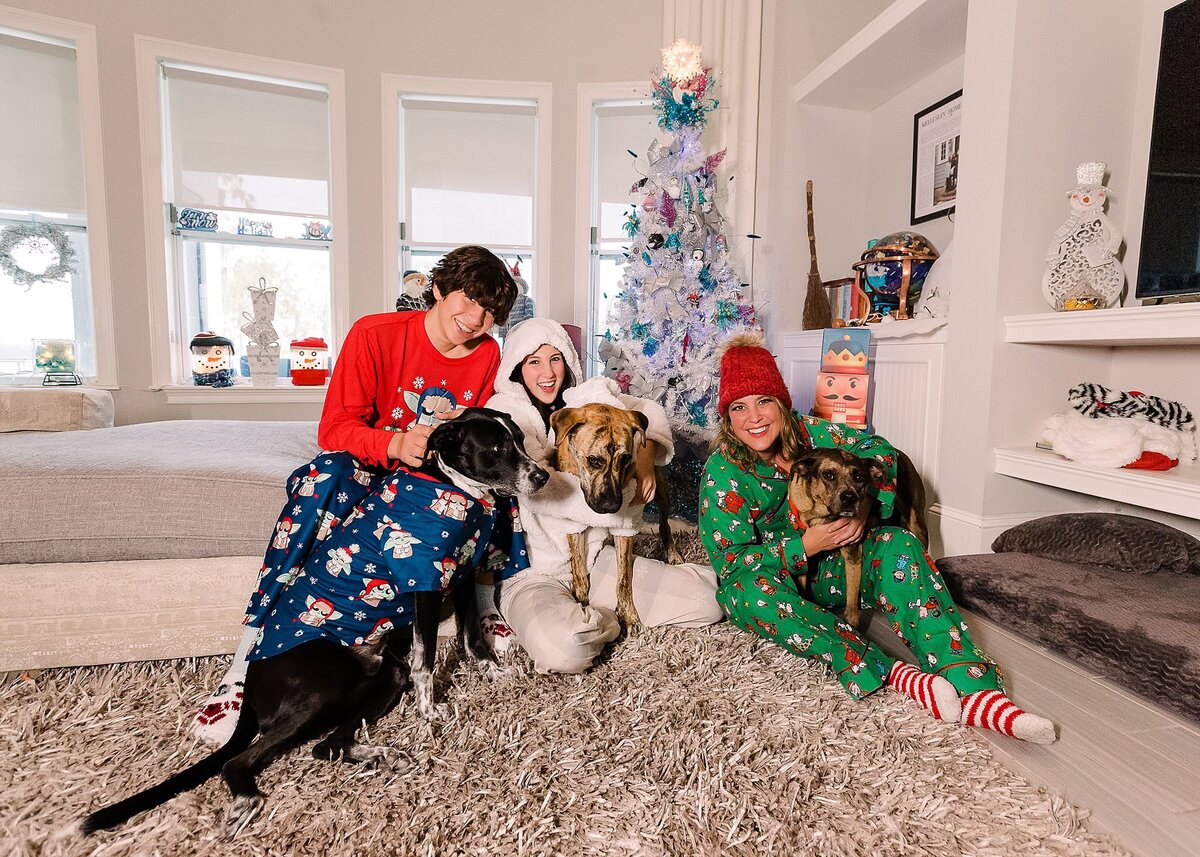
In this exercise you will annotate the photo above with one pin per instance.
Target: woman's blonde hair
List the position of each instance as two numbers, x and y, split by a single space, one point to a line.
792 440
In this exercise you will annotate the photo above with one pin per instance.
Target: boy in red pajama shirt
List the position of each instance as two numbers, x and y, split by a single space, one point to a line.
397 376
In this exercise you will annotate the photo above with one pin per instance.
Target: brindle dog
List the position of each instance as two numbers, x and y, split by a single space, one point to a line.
599 443
827 484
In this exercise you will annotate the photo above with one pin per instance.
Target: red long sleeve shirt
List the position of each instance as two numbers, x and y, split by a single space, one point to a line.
386 372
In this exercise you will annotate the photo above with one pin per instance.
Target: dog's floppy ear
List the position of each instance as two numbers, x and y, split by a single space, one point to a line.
804 467
445 435
565 421
640 423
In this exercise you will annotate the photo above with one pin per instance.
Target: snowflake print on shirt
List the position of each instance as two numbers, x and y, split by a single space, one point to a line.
418 383
468 396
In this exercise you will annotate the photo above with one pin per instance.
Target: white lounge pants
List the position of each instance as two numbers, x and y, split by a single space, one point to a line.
563 636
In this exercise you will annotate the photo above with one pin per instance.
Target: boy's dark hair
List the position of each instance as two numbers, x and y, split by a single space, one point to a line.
542 408
481 275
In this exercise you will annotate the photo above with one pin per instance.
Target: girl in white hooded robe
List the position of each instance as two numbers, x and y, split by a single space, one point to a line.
540 373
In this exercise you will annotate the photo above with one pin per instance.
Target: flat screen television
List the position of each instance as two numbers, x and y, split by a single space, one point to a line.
1170 258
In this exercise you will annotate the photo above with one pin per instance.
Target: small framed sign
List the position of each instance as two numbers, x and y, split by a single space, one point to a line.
935 159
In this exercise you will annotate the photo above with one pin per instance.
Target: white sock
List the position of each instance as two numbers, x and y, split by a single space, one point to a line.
496 632
217 717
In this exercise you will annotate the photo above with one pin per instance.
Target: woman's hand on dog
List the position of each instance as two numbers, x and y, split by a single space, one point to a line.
821 538
643 471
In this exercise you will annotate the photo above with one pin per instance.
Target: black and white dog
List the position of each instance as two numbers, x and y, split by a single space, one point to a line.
322 687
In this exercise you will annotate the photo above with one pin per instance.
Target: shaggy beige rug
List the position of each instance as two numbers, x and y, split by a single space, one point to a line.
681 742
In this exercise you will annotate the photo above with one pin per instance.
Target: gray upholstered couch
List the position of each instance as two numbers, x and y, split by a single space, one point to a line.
136 542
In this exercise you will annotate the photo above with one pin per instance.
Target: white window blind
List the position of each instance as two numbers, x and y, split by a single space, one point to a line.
41 153
470 169
619 130
246 144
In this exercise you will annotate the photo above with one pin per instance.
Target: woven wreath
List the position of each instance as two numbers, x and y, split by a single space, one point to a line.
13 236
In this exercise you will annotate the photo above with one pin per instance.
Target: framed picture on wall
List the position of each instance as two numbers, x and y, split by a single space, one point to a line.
935 159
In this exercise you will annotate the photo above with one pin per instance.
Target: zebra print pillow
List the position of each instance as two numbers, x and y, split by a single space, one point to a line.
1095 400
1119 542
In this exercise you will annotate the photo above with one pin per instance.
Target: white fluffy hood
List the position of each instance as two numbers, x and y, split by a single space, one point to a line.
526 338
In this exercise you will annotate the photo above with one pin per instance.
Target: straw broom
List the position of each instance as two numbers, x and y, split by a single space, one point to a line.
817 312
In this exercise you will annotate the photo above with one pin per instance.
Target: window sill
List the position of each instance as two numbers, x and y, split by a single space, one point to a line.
244 394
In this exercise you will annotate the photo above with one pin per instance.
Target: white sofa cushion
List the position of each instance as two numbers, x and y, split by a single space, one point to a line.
164 490
54 409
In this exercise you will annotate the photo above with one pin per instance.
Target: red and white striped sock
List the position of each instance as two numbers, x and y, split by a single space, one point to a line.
991 709
934 693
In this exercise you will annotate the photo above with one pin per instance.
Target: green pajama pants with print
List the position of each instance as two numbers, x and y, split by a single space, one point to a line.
898 578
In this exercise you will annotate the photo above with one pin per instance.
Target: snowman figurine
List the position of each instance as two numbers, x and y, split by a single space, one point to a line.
412 291
212 360
1083 271
310 362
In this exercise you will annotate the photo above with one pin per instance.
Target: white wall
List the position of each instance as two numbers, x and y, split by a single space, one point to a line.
798 36
1048 85
565 43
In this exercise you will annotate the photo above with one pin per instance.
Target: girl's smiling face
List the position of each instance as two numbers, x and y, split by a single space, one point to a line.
542 373
756 421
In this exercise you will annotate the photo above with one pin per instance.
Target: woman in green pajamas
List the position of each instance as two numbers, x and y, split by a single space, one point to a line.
760 551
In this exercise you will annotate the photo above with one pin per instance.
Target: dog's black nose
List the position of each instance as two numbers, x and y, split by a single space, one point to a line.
849 498
539 477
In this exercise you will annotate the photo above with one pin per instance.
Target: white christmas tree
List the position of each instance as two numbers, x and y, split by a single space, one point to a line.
680 296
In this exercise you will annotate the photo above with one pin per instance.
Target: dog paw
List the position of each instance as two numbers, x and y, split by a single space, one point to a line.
383 759
241 812
492 670
630 621
436 712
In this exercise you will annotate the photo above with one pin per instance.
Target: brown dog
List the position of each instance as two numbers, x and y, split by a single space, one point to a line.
827 484
599 444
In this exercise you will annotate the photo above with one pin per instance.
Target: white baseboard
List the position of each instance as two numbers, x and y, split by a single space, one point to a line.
954 531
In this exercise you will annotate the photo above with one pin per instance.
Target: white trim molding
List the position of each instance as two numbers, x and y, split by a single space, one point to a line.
588 96
397 85
83 38
281 393
957 531
149 53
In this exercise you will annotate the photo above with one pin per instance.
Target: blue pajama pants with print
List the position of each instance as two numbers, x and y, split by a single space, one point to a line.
320 496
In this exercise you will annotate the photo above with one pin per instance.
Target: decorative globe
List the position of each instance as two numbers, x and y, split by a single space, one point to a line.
893 270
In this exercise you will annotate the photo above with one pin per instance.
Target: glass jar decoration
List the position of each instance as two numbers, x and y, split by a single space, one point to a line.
310 362
892 271
212 360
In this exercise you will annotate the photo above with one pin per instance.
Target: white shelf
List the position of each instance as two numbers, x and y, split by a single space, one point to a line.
1176 491
912 330
909 40
243 394
1171 324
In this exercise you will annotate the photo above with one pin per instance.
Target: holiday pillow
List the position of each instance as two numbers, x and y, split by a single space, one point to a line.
1119 542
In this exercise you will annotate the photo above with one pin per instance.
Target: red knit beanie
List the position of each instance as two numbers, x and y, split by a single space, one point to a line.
748 369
